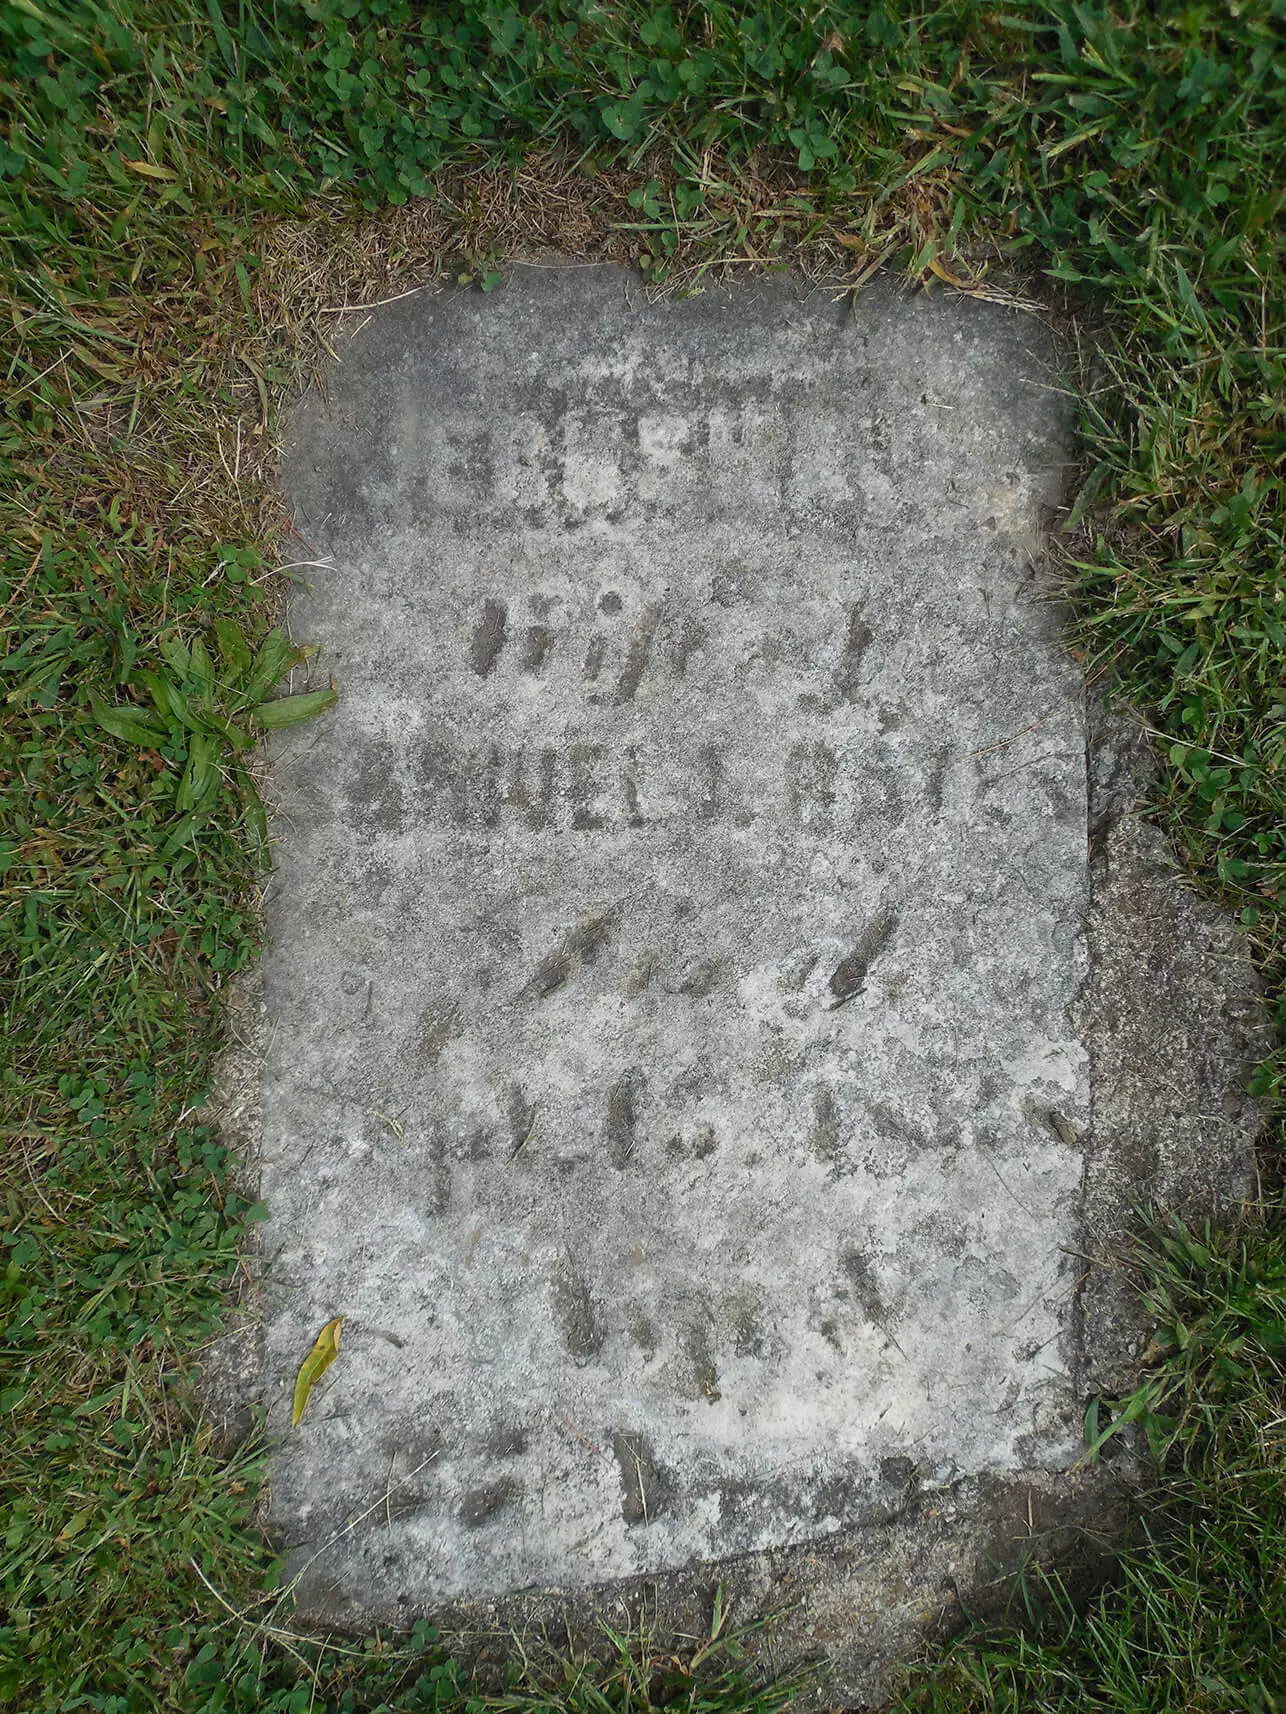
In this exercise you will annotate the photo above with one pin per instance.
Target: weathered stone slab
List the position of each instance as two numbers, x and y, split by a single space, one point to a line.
674 1070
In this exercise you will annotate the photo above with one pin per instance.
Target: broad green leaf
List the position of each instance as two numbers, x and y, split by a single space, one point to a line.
314 1366
291 710
234 651
182 831
131 725
175 653
276 655
255 816
216 725
167 696
202 670
200 774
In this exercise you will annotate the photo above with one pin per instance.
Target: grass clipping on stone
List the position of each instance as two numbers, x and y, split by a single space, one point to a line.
192 206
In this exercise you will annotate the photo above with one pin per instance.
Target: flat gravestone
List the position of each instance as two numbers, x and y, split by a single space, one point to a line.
674 1073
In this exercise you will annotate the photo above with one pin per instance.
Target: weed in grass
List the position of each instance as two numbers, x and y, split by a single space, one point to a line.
630 1674
182 189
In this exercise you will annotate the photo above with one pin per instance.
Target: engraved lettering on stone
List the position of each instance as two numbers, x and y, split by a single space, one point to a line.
489 637
848 979
695 774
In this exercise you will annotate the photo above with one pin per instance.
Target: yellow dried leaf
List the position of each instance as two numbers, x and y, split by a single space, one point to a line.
939 267
149 171
314 1366
75 1524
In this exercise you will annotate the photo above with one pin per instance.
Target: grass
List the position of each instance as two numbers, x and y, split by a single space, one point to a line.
1194 1617
183 188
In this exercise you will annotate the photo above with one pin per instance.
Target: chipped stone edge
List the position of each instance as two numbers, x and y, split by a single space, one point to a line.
1174 1016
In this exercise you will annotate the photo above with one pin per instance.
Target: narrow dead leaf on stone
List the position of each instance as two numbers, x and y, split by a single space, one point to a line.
939 267
314 1366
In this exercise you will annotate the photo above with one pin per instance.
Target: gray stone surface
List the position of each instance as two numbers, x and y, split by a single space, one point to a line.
1174 1020
677 1033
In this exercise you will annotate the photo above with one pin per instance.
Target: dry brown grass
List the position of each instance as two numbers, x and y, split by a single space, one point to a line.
174 398
202 412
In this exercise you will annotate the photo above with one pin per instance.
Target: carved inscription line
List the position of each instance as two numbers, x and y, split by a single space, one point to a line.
608 455
637 1125
849 978
490 638
579 946
603 788
659 640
